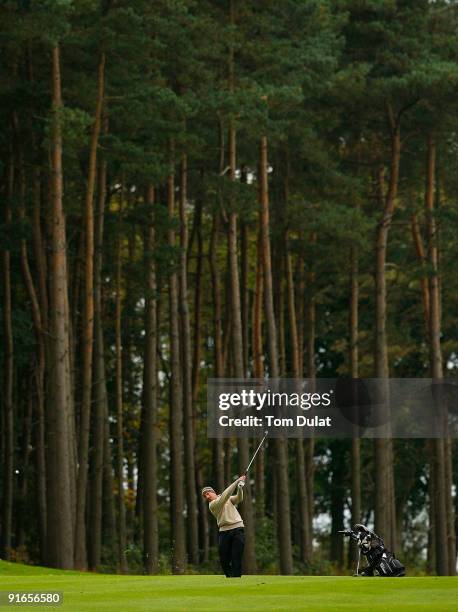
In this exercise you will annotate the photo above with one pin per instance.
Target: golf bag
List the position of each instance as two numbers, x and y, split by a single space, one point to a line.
380 561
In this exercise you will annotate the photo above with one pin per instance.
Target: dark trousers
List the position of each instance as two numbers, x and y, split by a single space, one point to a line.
230 545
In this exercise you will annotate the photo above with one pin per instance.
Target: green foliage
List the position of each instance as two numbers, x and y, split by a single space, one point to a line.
266 549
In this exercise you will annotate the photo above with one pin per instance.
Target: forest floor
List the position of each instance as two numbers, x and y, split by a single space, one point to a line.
86 591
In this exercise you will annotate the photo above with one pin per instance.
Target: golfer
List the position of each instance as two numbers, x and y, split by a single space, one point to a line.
231 539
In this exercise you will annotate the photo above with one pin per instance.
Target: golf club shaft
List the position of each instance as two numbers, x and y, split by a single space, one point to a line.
256 452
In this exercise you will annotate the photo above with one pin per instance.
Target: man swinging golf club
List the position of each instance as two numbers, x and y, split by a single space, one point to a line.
231 539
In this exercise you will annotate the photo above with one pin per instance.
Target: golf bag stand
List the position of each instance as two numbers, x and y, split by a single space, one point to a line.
380 560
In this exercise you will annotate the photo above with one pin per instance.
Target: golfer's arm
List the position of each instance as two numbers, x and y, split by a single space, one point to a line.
236 499
225 495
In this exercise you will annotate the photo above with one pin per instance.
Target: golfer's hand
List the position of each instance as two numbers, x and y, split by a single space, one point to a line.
242 478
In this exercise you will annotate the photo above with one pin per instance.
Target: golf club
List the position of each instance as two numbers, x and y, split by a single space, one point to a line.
256 452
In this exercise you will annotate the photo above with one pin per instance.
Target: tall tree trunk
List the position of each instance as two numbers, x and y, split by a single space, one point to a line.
237 353
444 523
385 522
204 534
186 369
74 298
100 386
258 372
70 364
149 425
39 367
127 368
218 472
8 416
300 301
227 327
430 444
109 532
279 308
202 512
431 551
302 492
197 349
451 515
119 407
22 487
245 290
40 262
59 545
440 522
227 362
176 399
218 453
88 328
281 449
420 250
338 469
310 321
75 282
218 443
354 373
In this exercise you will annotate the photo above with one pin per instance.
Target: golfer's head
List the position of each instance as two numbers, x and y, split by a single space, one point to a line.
209 493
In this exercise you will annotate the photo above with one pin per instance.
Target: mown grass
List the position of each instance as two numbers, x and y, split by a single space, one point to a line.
87 591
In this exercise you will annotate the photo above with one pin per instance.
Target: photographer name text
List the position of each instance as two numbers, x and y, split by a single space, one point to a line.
269 420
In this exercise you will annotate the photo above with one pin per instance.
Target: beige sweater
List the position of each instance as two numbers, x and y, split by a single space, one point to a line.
224 508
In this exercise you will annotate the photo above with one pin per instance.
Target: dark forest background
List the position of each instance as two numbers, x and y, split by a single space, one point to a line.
196 189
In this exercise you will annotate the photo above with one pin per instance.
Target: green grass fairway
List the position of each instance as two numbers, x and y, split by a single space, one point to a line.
85 591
